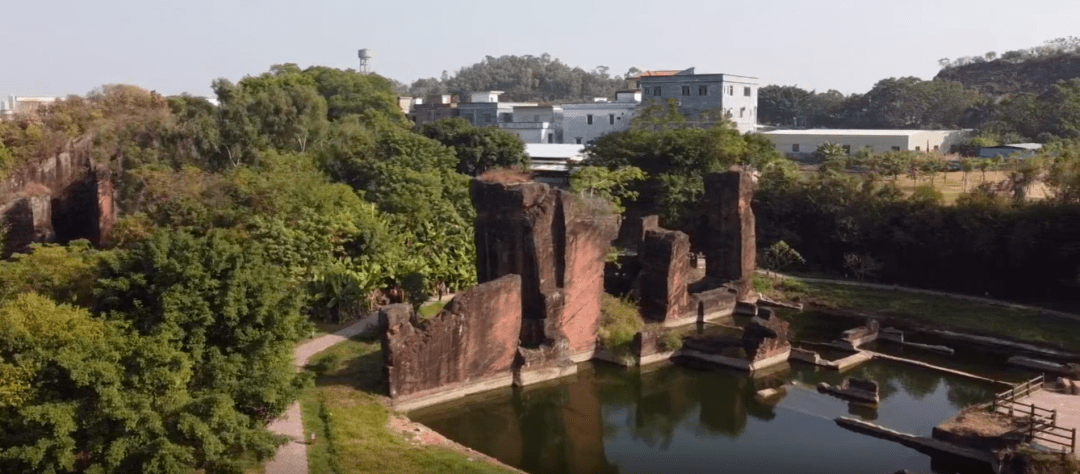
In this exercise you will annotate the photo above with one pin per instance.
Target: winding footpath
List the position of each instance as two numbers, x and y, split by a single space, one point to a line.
291 457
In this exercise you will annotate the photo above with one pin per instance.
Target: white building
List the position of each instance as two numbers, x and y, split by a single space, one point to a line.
696 94
23 105
802 143
583 123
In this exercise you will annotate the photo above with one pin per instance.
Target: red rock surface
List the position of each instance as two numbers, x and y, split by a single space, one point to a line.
729 240
473 338
665 258
557 242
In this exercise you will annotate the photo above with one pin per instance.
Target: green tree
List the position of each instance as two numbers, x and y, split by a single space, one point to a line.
478 149
612 185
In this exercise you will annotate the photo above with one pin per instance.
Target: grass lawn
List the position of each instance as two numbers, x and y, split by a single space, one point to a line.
941 311
347 411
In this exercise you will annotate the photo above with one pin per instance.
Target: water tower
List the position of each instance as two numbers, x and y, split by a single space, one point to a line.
364 55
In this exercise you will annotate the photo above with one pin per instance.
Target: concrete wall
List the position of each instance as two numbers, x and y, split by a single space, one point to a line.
607 117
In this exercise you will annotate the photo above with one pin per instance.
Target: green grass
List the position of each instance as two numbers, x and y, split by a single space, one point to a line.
940 311
347 411
433 308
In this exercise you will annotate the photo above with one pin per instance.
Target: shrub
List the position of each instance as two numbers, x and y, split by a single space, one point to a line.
671 341
619 322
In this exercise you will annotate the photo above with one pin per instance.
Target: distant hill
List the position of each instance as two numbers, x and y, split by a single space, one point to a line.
1001 77
1031 70
524 78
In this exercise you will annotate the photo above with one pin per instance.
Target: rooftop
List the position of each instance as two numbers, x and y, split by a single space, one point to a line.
860 132
555 150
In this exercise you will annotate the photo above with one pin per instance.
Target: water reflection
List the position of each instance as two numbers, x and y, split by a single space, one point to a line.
608 420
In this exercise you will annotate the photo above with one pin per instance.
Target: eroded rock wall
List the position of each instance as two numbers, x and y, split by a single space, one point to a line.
67 196
766 336
728 238
662 284
558 243
473 339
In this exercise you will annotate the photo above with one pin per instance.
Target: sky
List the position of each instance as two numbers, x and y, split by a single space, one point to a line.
61 47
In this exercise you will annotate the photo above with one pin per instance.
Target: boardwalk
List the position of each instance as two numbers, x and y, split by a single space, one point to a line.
1067 406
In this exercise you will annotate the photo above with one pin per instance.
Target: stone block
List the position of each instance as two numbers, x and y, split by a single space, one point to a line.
712 304
862 334
892 334
728 237
662 293
471 344
766 336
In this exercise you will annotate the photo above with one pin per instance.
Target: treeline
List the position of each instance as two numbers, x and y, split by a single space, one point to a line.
912 103
304 195
524 78
850 218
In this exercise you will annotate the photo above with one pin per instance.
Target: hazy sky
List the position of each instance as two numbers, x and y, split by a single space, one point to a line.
59 47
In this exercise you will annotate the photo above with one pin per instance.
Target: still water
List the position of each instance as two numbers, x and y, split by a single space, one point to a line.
676 419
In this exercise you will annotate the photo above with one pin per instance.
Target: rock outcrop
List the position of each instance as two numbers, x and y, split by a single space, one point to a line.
62 198
766 337
469 346
558 242
662 290
727 235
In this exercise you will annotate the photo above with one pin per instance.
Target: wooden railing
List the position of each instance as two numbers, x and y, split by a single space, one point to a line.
1042 422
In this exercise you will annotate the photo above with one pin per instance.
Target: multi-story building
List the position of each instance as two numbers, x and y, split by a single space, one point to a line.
484 109
432 108
699 95
583 123
535 123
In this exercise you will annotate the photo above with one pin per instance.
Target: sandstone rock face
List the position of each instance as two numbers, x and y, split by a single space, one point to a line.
633 229
766 336
558 243
662 292
65 197
728 238
475 337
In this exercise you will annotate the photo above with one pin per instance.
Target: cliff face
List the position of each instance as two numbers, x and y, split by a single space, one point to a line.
65 197
1000 77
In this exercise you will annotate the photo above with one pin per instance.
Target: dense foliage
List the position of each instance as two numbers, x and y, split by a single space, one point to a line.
524 78
303 194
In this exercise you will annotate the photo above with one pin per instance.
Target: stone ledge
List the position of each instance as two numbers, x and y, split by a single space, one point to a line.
451 392
542 374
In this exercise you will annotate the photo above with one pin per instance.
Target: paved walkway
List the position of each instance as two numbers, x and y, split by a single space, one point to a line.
1068 411
291 457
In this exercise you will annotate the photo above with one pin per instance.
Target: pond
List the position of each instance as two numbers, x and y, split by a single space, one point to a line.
680 419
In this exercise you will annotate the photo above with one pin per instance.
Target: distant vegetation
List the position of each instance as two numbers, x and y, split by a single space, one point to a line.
524 78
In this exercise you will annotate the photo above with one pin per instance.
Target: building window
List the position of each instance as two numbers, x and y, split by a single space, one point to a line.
578 139
742 112
656 91
551 137
895 148
536 118
588 118
703 90
611 119
685 90
935 148
795 148
730 90
847 149
746 91
918 148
